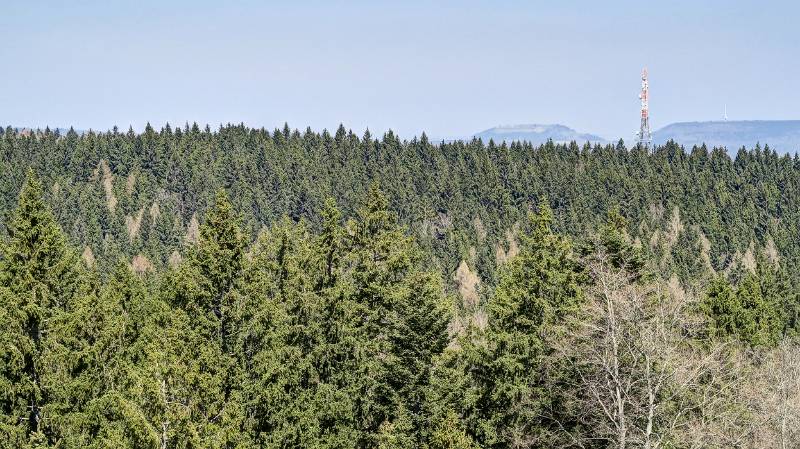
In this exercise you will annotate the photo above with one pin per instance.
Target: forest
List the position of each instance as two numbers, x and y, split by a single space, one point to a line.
243 288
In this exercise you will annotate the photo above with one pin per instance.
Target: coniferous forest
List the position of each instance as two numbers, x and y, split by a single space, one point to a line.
245 288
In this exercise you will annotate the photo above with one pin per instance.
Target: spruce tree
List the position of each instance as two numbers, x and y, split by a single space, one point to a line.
117 324
282 344
402 322
39 281
755 310
617 244
449 434
495 379
201 292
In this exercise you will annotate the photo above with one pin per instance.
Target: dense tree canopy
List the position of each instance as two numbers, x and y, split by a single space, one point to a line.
243 288
128 194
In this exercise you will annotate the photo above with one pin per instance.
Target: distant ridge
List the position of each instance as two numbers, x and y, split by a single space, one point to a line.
25 130
782 136
536 134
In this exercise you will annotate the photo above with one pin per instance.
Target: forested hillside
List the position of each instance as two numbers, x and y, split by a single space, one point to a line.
245 288
143 194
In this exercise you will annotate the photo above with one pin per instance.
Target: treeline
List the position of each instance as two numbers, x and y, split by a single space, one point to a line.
247 288
343 337
141 195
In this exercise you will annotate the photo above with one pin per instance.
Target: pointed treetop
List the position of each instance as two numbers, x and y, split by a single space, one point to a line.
341 132
543 220
221 221
330 214
376 199
375 215
36 245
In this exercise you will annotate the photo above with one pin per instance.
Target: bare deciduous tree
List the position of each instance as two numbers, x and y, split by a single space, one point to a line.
642 377
774 393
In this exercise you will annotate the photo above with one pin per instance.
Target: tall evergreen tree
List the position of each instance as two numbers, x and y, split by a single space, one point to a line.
283 342
39 281
117 325
495 380
756 310
617 244
401 319
201 291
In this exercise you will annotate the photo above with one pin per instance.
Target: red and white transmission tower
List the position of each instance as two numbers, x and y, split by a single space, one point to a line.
645 138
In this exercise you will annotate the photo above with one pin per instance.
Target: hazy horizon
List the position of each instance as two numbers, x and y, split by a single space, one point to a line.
450 70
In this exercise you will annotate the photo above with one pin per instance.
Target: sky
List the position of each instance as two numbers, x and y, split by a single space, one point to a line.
447 68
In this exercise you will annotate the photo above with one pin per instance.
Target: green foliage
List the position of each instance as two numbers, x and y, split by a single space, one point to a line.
397 434
437 190
201 290
617 244
758 310
449 434
295 345
400 318
39 282
497 372
310 308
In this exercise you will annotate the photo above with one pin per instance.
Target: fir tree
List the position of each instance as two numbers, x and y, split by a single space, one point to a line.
201 290
402 324
495 380
39 281
117 325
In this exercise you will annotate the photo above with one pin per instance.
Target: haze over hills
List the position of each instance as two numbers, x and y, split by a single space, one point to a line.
537 134
781 135
25 130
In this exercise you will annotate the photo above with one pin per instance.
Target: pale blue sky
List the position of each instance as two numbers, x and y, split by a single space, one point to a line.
448 68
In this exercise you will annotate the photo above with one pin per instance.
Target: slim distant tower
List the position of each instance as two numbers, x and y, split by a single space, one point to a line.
645 138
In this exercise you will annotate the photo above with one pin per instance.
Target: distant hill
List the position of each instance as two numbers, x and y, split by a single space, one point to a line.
781 135
25 130
537 134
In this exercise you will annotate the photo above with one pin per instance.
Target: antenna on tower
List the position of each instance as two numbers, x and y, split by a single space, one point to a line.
645 138
725 114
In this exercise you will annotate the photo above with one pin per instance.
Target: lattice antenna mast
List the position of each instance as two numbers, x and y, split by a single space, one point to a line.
645 138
